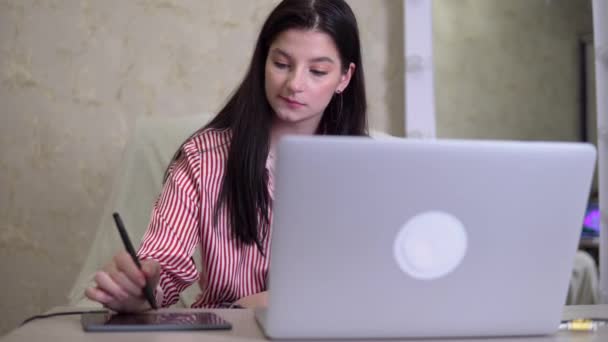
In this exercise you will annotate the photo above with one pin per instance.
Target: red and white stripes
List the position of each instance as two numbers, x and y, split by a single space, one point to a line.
182 218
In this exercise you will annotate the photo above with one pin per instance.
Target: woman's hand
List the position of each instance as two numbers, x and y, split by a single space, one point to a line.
120 284
254 301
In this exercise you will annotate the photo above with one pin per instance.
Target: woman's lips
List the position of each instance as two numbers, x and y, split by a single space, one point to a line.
291 103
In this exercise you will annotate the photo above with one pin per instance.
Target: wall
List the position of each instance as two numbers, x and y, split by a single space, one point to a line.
509 69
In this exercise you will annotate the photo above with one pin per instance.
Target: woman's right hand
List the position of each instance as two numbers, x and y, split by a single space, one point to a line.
120 284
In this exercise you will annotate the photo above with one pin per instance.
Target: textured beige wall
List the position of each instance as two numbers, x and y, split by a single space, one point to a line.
509 69
74 74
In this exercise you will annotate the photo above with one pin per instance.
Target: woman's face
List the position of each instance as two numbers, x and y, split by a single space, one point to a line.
303 71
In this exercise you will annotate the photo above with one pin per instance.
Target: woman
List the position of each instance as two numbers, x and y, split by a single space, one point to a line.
305 77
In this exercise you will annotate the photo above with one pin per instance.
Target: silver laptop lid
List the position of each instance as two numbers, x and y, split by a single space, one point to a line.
410 238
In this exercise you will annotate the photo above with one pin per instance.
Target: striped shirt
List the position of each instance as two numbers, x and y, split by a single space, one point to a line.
183 218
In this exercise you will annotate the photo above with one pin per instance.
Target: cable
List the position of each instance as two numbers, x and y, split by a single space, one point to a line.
66 313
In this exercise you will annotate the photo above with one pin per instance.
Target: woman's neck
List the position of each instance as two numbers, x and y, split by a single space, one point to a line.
280 129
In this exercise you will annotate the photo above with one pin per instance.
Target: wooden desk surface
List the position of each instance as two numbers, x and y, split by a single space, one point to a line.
68 329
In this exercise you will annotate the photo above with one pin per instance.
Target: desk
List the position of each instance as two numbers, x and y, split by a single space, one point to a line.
68 329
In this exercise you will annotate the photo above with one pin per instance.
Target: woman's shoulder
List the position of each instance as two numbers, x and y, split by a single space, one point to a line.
205 150
208 141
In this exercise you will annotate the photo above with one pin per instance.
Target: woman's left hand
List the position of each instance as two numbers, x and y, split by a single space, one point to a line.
254 300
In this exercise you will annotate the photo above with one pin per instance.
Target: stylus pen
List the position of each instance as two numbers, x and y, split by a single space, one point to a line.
127 242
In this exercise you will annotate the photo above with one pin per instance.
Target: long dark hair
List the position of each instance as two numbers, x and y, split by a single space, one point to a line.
248 115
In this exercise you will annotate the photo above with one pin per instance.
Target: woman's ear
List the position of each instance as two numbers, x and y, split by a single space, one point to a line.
345 78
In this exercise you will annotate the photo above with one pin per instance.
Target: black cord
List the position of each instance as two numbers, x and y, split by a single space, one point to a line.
65 313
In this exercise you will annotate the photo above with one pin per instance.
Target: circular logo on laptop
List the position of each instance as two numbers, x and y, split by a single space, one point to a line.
430 245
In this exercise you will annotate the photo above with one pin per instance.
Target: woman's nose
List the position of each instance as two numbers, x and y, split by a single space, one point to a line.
295 82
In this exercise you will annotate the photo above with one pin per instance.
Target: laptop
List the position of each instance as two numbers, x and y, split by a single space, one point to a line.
402 238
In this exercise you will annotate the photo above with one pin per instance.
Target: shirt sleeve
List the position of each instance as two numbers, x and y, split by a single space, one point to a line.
173 232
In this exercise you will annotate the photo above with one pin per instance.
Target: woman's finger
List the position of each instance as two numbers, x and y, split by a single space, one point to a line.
125 264
98 295
108 285
126 284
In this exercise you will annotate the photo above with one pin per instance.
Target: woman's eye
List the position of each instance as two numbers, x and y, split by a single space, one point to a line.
318 72
281 65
